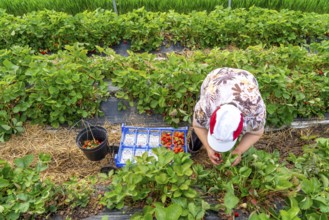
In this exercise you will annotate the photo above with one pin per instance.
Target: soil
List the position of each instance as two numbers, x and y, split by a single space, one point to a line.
68 160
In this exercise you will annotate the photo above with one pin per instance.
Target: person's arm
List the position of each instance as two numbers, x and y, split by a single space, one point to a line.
202 134
247 140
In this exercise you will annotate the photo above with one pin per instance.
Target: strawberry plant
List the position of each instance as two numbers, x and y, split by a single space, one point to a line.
74 89
22 191
77 192
144 29
98 28
158 86
313 161
188 29
24 194
12 90
253 182
274 84
48 30
313 199
161 185
14 33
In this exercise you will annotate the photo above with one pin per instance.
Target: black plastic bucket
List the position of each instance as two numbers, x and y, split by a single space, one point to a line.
100 134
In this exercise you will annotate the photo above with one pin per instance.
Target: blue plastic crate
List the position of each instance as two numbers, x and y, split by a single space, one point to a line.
137 140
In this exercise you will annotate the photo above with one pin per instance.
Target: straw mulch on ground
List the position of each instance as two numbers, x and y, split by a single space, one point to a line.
68 160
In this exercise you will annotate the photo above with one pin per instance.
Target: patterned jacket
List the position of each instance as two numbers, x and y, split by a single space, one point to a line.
231 86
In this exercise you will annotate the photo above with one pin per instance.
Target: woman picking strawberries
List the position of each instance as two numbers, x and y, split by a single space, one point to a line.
230 106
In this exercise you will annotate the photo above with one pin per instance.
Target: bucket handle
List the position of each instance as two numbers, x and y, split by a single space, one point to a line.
86 123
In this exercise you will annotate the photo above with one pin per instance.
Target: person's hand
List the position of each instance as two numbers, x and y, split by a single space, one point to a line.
238 159
215 158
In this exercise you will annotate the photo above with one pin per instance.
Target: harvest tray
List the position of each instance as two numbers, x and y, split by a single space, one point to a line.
137 140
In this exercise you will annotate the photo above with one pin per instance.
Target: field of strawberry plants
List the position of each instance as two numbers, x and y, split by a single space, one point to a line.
55 68
49 31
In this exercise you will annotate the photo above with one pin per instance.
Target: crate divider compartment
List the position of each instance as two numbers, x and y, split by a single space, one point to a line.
154 138
129 137
180 138
167 138
126 153
139 151
142 137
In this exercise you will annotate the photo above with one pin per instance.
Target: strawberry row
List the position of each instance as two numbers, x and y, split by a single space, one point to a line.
51 31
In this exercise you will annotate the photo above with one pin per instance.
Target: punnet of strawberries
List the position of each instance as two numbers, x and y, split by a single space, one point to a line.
177 139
